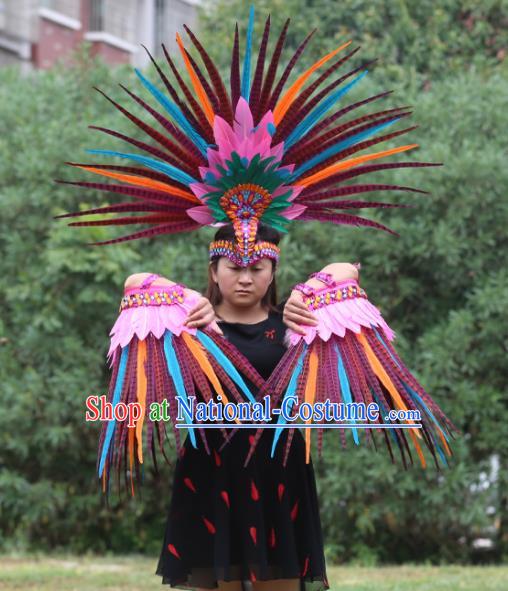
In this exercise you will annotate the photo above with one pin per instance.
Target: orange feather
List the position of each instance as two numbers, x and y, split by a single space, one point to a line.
144 182
141 386
310 393
198 87
332 169
200 356
290 95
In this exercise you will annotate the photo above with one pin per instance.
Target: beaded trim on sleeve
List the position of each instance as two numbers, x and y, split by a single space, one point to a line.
336 294
153 296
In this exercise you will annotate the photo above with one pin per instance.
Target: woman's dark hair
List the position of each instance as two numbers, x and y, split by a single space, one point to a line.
266 234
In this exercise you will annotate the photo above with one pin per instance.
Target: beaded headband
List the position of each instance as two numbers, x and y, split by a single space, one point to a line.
231 250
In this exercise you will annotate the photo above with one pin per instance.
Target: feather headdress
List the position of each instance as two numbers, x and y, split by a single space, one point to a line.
264 151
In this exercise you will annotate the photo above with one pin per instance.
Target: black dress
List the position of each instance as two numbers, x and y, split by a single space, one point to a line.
230 522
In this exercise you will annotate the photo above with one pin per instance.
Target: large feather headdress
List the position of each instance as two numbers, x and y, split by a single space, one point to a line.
265 150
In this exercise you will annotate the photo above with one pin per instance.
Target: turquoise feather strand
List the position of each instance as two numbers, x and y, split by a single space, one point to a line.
226 364
175 113
116 399
171 171
245 90
346 390
385 412
411 391
338 147
414 394
176 376
291 389
313 118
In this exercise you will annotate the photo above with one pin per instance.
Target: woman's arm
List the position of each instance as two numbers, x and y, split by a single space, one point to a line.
200 316
137 279
296 312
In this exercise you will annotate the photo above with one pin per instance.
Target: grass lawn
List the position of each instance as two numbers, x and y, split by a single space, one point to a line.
134 573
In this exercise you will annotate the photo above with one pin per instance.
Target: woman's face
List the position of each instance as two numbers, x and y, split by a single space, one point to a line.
243 286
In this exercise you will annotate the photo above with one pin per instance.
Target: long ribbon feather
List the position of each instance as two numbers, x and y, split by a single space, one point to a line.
141 387
346 164
345 389
175 112
233 373
313 118
247 57
290 394
116 399
173 172
290 94
177 378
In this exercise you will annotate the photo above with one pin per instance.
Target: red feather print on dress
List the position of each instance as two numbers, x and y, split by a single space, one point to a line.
294 511
251 439
254 493
209 525
252 576
188 482
253 534
225 496
280 490
272 538
173 550
217 458
305 566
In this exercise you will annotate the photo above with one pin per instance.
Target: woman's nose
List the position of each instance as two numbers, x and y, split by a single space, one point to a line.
245 277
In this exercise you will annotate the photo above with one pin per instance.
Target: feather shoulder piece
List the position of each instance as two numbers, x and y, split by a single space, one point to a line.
349 359
155 358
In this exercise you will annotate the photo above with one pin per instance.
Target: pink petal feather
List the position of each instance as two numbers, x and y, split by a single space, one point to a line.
336 318
142 320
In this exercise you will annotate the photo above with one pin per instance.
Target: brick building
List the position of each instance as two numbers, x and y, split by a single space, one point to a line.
37 33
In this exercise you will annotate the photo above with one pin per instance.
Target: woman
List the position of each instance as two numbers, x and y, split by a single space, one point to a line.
254 527
271 150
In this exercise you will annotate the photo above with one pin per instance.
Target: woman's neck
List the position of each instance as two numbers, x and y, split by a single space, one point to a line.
246 315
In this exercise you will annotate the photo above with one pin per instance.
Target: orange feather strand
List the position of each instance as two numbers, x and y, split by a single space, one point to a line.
332 169
198 87
141 388
310 394
290 95
144 182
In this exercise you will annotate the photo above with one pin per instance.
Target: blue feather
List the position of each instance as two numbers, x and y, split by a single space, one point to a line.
171 171
176 376
414 394
346 390
408 388
226 364
116 399
175 113
245 91
291 389
338 147
313 117
385 411
436 443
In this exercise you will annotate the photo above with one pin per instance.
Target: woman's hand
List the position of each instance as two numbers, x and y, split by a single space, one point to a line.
202 315
296 313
